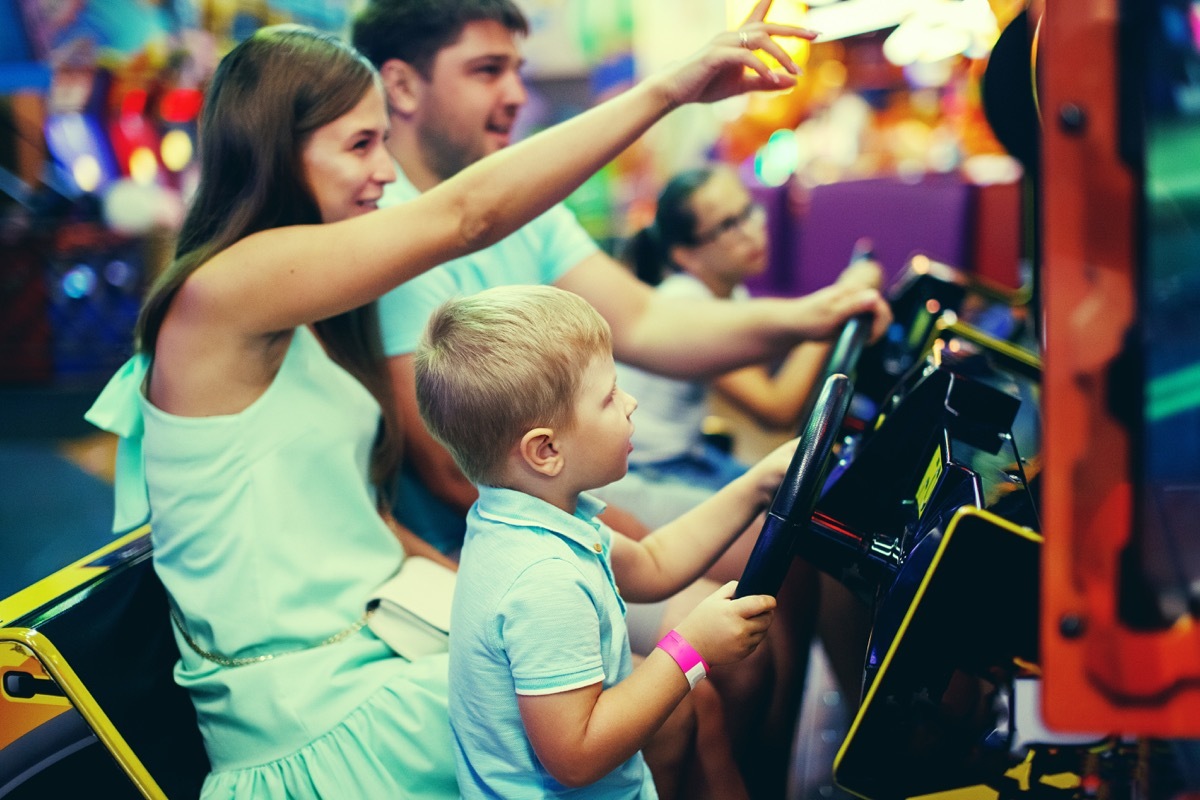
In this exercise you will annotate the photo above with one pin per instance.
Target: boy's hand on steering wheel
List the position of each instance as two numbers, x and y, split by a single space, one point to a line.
724 630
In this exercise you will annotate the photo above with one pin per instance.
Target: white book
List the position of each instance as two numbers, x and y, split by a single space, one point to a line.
412 608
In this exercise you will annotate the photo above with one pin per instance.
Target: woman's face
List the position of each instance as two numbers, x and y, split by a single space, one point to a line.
345 162
730 239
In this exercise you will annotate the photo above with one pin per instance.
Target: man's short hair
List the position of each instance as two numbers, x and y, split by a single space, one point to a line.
415 31
496 364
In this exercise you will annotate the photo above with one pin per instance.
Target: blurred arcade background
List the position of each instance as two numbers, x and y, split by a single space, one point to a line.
98 108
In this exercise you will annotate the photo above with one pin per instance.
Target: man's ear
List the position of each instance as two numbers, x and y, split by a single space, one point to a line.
402 86
539 451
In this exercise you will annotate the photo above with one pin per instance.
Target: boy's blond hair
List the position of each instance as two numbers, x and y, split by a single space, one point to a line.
492 366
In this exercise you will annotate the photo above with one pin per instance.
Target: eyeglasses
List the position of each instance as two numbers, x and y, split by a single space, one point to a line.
753 212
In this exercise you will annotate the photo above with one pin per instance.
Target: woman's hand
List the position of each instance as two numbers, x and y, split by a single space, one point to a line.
728 65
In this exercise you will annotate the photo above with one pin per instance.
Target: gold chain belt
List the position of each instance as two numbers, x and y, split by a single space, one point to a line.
230 661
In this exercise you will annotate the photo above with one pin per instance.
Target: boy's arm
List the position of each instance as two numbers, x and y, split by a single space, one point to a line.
582 734
682 550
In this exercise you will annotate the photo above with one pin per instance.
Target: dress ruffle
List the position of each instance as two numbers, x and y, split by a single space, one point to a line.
396 744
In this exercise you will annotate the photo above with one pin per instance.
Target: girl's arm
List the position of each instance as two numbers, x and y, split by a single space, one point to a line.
682 550
775 399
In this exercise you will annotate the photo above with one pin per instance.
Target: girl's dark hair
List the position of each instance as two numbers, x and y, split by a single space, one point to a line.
267 97
648 251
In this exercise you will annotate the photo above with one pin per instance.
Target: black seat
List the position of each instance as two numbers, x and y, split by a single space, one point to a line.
86 676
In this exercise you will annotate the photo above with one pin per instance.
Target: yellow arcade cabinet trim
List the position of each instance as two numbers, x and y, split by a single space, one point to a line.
1010 356
61 672
962 618
72 577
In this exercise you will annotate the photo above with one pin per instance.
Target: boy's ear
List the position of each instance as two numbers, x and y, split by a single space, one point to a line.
401 86
539 451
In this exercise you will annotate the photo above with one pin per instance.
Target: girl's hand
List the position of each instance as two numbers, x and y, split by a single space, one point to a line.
724 630
719 70
768 473
862 272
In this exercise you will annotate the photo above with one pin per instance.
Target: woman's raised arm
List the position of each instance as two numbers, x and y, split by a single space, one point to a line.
328 269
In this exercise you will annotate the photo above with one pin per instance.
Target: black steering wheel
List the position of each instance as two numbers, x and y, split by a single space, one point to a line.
797 495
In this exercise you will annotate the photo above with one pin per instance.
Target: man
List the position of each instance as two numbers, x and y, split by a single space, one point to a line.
451 72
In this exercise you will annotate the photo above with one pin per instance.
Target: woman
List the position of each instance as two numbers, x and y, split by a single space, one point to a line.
250 415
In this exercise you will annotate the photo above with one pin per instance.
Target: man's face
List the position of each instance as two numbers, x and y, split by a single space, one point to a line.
468 105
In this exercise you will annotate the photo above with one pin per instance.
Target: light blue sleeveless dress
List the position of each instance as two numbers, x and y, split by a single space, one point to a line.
267 539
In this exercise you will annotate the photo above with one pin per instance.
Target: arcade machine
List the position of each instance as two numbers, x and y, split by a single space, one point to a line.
89 219
25 337
1030 640
88 703
883 501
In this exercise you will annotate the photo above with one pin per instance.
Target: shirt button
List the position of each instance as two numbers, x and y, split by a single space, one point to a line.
598 547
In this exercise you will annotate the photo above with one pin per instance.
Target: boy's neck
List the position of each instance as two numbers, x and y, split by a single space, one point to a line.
550 490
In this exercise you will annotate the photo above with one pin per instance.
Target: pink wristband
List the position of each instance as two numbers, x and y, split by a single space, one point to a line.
695 668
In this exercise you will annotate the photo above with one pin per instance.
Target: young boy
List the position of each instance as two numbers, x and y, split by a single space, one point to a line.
518 382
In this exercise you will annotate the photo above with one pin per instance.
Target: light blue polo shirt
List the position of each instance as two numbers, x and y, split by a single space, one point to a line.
536 611
539 253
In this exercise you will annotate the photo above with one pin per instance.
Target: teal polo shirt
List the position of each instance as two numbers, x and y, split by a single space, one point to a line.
539 253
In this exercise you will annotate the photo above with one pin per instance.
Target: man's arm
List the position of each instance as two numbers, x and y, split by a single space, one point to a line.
696 338
433 463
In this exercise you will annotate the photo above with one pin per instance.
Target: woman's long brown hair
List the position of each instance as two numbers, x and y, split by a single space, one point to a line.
268 96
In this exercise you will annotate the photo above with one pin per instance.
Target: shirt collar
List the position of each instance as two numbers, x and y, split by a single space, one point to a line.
526 511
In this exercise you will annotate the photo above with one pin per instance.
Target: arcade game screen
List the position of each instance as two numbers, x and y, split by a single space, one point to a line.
1168 342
